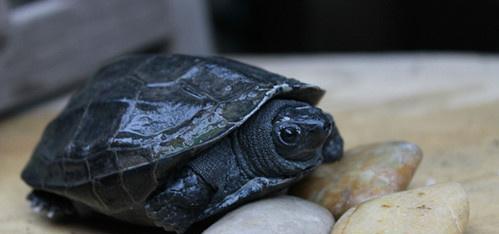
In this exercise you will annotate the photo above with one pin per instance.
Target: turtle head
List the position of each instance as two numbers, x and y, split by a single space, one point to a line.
288 137
299 132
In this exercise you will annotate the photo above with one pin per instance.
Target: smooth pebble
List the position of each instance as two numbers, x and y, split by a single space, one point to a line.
282 214
438 209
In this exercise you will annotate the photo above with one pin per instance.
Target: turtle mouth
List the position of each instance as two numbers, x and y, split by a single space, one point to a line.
333 147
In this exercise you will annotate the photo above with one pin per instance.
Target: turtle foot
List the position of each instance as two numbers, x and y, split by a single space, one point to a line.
178 206
50 205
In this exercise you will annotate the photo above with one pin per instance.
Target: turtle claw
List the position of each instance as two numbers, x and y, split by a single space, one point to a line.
50 205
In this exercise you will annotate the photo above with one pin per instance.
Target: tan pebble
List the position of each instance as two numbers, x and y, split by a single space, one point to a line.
364 173
440 208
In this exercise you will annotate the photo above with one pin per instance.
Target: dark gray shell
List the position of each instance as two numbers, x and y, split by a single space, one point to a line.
141 115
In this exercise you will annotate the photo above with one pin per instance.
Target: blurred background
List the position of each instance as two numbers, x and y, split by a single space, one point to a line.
48 47
354 25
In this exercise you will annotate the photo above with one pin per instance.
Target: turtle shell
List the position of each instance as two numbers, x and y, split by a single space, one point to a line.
140 116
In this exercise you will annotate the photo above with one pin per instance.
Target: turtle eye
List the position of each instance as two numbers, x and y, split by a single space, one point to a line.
289 134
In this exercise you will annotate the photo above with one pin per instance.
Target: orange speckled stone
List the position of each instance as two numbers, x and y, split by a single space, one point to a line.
364 173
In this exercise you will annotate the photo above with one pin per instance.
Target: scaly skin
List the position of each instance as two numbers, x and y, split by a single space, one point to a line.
174 208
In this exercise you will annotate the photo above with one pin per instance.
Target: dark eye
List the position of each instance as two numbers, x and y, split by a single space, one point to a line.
290 134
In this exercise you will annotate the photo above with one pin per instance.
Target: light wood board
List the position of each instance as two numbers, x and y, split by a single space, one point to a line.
446 103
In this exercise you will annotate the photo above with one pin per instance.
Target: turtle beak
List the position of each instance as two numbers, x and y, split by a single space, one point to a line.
333 147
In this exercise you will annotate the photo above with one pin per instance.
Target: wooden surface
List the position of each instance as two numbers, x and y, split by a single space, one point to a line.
448 104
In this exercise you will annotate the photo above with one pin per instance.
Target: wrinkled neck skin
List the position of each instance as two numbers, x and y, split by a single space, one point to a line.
258 156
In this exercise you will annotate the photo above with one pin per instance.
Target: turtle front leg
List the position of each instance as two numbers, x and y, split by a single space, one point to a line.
180 203
50 205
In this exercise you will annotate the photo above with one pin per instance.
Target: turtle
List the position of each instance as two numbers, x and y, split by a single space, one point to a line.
171 140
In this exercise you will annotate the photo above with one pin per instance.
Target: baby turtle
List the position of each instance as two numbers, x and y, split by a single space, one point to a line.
170 140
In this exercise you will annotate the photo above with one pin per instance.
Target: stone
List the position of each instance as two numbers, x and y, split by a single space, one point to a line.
282 214
365 172
438 209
